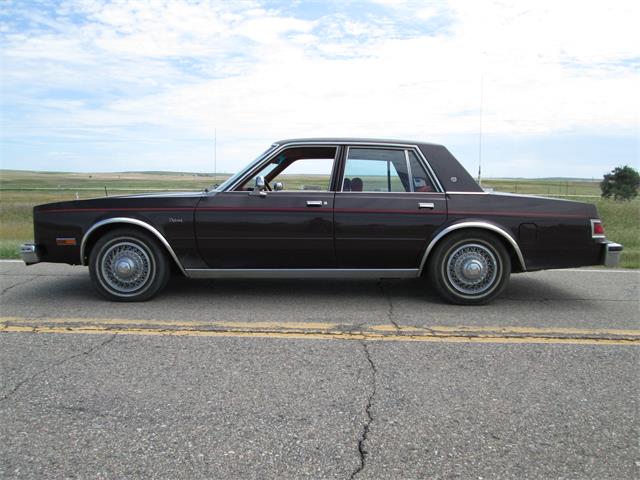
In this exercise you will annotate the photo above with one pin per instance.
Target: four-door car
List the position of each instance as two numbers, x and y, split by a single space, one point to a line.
329 207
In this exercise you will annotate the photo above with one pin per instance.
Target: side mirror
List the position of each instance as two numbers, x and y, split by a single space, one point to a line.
259 188
278 186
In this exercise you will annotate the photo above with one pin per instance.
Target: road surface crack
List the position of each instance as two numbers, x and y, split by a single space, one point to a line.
57 364
390 312
5 290
362 451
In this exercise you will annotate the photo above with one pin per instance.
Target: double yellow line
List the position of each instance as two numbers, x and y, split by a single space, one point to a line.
323 331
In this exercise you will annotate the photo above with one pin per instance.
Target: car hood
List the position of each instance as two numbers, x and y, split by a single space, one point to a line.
161 194
128 202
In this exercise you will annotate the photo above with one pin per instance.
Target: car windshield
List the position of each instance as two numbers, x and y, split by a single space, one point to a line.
233 178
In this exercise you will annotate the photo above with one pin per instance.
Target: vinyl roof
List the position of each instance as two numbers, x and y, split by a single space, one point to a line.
340 140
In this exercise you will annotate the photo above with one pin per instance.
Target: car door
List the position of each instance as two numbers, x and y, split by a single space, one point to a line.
287 225
386 209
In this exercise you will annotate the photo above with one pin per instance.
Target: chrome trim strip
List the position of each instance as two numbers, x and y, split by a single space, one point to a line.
441 194
484 225
131 221
301 273
469 193
409 173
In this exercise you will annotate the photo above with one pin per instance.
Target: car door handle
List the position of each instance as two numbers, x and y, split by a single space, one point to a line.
426 205
314 203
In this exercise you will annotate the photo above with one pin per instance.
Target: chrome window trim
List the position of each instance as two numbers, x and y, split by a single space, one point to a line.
257 165
247 171
482 225
301 273
130 221
409 173
242 172
469 193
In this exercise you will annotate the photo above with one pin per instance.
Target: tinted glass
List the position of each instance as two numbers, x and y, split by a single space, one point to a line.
300 168
421 181
375 170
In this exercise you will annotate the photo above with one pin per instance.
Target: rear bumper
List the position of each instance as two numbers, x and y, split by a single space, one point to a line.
30 253
611 254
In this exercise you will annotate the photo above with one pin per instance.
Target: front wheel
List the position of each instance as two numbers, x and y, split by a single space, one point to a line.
469 268
128 266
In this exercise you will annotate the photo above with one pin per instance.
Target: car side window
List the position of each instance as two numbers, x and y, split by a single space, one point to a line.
420 179
296 169
376 170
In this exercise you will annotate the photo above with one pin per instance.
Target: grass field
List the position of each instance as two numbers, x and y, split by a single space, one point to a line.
20 191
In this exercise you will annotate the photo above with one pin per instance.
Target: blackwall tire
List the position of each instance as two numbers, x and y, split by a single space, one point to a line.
128 265
469 268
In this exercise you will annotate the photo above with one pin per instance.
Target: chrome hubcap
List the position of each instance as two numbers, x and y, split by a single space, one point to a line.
472 269
126 267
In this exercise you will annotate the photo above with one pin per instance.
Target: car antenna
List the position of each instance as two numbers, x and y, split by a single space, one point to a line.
480 136
215 155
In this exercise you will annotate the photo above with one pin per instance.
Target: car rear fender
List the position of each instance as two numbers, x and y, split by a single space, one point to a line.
510 241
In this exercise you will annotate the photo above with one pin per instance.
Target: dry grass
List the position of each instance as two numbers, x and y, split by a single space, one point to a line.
621 219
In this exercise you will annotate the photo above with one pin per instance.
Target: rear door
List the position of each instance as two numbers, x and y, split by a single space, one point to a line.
386 209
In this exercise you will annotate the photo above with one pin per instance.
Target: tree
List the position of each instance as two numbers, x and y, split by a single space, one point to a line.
621 183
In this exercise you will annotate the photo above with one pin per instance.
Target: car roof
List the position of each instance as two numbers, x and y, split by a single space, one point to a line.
451 174
346 140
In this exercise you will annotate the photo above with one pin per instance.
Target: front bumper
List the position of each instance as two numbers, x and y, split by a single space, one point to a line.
30 253
611 255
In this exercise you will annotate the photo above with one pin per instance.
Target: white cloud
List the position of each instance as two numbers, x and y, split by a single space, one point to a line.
260 74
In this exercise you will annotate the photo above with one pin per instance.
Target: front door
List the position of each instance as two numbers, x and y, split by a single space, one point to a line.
289 225
386 209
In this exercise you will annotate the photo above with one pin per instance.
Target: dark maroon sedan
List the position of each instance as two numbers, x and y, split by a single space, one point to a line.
325 208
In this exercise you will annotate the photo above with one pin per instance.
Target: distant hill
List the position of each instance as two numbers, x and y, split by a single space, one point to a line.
147 172
226 174
546 179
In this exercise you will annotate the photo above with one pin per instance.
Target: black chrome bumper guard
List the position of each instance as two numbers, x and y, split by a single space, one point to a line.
30 253
612 251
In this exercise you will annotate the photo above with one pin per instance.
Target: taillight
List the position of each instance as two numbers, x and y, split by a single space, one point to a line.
597 230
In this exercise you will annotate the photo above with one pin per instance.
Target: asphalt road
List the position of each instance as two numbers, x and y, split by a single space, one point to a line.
319 379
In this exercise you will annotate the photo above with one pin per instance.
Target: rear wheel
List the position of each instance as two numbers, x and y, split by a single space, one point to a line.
469 268
128 265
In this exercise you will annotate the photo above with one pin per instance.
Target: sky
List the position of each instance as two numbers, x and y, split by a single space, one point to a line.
531 88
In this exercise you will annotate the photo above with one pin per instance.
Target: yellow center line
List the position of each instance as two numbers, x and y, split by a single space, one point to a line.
508 330
173 323
322 330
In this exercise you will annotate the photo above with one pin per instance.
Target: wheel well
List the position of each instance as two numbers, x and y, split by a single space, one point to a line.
95 235
516 266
